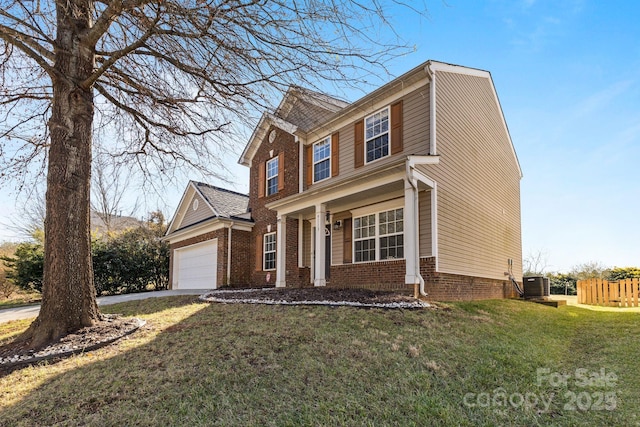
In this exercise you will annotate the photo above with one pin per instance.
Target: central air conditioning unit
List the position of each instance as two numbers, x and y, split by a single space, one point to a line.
536 286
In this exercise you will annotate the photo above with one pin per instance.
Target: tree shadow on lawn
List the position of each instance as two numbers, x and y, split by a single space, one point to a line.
221 364
218 364
149 306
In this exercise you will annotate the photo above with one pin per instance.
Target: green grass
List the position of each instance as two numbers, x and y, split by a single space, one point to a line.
199 364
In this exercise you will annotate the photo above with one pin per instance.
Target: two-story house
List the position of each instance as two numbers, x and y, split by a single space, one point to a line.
414 186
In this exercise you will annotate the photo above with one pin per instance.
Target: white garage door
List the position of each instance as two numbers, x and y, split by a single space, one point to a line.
195 266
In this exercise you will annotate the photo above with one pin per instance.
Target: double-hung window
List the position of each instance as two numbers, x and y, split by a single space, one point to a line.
269 251
379 236
272 176
364 233
376 128
391 234
322 159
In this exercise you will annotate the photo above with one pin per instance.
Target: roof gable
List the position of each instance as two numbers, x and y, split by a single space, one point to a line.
300 110
223 202
202 201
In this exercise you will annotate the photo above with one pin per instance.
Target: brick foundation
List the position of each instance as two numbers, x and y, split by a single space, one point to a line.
383 275
389 275
454 287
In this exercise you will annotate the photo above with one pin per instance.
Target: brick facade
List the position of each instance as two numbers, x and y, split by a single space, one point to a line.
454 287
263 217
382 275
389 275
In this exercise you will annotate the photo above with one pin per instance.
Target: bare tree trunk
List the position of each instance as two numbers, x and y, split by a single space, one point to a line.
68 296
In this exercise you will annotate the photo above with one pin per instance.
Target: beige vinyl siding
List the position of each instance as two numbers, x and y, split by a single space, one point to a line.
478 181
337 239
191 216
424 200
415 131
306 243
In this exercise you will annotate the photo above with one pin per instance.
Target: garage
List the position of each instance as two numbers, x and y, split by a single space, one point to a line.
195 266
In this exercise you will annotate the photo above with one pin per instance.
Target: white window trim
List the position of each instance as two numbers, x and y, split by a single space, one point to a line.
266 176
370 237
388 108
375 210
264 252
314 163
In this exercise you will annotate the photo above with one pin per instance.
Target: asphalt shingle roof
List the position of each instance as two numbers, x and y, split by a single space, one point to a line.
226 203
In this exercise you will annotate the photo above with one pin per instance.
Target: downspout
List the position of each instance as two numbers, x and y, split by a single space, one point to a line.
229 254
416 248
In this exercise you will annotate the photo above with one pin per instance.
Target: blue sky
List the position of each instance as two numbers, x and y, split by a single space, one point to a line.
568 77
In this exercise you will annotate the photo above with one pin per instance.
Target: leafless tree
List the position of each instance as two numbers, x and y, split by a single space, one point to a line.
589 270
110 184
28 223
535 263
165 82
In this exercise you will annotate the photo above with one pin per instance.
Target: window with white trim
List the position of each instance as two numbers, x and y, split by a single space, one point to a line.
364 242
322 159
272 176
379 236
269 251
376 135
391 234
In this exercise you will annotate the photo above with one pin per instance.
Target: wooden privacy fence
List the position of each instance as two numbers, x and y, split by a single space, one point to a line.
620 293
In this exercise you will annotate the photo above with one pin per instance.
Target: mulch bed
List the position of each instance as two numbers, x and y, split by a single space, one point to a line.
16 355
315 296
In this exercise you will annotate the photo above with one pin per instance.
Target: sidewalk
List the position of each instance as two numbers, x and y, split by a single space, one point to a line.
30 311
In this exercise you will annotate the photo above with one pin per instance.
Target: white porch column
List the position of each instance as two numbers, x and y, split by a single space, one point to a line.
411 233
301 247
320 278
281 251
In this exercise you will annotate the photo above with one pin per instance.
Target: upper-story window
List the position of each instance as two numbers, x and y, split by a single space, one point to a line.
322 159
376 128
272 176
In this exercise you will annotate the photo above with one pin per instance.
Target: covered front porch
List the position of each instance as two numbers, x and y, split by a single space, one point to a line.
379 223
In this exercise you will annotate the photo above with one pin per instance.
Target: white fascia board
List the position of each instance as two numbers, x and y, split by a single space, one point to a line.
282 124
449 68
423 160
206 227
458 69
327 194
366 106
259 134
504 124
180 209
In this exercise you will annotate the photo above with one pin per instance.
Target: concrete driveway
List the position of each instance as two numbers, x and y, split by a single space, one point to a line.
30 311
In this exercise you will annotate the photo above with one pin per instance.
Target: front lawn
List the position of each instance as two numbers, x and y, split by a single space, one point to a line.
481 363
